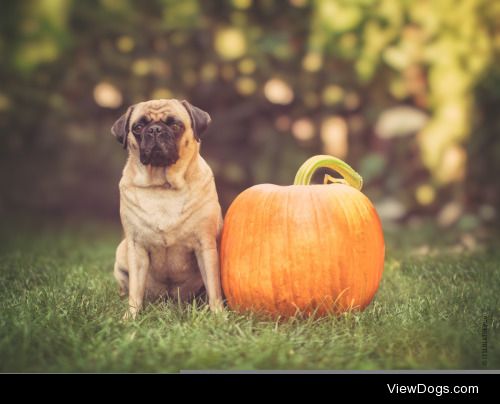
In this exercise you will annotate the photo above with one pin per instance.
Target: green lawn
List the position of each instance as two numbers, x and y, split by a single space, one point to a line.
60 311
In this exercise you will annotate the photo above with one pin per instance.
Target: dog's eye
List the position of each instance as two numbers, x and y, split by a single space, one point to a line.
176 127
137 128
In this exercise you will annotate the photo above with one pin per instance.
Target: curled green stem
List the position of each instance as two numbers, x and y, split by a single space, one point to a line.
307 170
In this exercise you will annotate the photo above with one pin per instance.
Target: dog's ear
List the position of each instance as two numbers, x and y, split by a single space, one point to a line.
199 119
121 127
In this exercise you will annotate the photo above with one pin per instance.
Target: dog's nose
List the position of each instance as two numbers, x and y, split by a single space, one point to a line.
154 130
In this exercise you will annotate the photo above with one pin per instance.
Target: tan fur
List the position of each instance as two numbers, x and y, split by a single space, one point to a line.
171 219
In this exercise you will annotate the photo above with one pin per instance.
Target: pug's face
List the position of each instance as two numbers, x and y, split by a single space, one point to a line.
157 137
160 130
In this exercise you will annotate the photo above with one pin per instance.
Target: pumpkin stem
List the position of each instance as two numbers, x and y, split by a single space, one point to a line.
306 171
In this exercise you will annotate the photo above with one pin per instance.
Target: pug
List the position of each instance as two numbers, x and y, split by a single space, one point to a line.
169 207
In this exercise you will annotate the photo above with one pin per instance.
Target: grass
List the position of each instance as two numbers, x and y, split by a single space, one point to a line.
60 312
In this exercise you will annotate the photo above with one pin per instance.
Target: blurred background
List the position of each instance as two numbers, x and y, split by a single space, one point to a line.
406 92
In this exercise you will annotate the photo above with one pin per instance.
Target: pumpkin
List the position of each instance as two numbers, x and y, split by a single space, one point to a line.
311 249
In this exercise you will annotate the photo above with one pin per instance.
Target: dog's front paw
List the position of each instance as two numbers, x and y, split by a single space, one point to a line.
129 315
217 306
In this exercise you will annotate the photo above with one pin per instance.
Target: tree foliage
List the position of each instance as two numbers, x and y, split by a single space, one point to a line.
404 90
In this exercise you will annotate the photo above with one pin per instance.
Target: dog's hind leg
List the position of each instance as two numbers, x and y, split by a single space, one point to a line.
121 268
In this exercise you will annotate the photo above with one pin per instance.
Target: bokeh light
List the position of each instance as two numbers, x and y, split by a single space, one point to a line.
334 136
141 67
230 43
487 212
247 66
298 3
303 129
352 101
4 102
125 44
400 121
450 213
332 94
246 86
390 209
425 194
161 93
242 4
312 62
283 123
160 68
278 91
452 167
106 95
208 72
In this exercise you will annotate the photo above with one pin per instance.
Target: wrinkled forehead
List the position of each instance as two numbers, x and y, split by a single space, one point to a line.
156 110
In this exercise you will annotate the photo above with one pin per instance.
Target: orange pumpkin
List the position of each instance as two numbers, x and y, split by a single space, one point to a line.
314 249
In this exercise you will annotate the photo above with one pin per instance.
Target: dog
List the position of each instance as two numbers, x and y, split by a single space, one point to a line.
169 207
